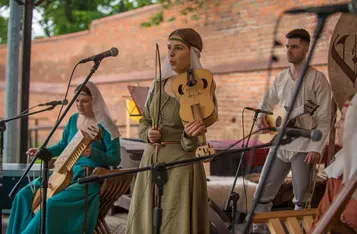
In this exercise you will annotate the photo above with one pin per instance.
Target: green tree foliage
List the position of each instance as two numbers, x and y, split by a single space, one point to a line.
4 4
3 30
193 9
68 16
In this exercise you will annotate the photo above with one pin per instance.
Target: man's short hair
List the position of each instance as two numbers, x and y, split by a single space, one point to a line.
299 33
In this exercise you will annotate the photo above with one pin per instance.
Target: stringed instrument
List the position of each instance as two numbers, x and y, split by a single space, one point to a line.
195 91
276 120
62 175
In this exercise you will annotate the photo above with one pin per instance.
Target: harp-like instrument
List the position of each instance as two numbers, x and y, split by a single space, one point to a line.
62 175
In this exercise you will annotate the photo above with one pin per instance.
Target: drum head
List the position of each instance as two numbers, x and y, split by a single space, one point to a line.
342 60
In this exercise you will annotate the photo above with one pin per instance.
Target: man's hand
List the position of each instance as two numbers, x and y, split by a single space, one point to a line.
312 157
262 123
87 152
154 135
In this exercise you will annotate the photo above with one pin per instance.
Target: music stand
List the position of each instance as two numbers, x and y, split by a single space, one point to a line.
139 94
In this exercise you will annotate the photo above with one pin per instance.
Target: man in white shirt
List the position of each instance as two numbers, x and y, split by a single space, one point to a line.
300 155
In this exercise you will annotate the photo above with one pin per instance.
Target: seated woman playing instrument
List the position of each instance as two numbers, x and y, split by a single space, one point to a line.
74 209
341 169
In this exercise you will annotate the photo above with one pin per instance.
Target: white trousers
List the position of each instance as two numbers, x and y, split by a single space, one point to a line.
301 179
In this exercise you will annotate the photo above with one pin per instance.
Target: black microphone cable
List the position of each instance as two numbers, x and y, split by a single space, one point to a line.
68 85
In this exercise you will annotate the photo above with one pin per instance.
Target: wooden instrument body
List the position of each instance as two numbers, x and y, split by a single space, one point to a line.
62 175
200 94
277 119
195 92
57 182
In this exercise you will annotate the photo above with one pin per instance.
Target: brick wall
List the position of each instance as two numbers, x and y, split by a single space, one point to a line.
237 39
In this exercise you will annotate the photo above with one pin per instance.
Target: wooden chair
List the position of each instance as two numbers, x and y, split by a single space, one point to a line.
296 222
112 188
290 218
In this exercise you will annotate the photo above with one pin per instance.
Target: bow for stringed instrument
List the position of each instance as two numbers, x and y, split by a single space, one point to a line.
62 175
195 91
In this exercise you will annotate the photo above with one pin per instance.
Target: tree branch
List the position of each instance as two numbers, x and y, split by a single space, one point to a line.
39 2
68 11
19 2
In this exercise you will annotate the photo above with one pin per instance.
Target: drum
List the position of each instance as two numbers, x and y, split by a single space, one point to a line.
342 60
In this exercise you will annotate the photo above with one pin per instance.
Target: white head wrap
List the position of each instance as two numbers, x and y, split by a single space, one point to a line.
101 112
335 169
349 142
346 158
167 72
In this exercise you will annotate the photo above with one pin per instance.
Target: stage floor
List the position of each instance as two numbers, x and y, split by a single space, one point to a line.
116 223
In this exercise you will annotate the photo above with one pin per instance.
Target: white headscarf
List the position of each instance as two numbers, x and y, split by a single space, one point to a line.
349 142
346 158
101 112
195 63
335 169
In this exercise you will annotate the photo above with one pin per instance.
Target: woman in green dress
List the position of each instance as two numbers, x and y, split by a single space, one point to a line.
66 210
184 202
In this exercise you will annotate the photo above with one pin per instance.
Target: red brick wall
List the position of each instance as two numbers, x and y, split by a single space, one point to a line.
237 39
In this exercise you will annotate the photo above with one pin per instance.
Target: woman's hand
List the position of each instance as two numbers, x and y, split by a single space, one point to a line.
195 128
31 153
87 152
154 135
51 163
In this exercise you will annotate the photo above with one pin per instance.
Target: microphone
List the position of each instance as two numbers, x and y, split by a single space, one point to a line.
55 103
112 52
314 134
328 9
259 111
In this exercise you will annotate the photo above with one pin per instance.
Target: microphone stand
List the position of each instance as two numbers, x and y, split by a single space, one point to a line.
233 196
3 126
159 179
159 174
2 130
45 155
321 18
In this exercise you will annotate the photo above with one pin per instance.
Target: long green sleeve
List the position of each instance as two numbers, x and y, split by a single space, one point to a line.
112 155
